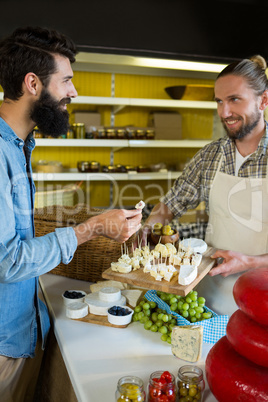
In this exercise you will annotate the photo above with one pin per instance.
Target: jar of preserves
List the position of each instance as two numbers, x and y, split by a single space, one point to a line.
130 389
190 383
70 133
79 130
150 134
131 133
94 166
108 169
36 133
121 133
161 387
110 133
101 133
140 134
83 166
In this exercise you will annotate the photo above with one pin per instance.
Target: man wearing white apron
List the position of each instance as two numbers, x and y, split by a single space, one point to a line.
231 176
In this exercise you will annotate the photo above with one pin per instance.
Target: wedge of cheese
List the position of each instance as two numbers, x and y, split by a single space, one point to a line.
187 274
187 341
132 296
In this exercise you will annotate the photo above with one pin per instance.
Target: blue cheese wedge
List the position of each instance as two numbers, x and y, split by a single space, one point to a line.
186 342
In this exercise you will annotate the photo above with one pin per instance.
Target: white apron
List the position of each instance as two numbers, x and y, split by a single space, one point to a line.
238 221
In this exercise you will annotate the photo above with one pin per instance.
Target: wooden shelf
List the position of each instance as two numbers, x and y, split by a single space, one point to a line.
112 177
60 142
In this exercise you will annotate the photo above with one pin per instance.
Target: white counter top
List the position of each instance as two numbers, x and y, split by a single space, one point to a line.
97 356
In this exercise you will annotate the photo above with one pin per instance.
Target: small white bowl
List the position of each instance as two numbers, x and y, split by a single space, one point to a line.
120 319
67 301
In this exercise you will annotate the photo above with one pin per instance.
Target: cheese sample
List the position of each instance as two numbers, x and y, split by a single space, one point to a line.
121 267
100 307
186 342
140 205
187 274
110 294
77 310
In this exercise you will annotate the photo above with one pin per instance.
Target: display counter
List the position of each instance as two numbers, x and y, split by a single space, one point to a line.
97 356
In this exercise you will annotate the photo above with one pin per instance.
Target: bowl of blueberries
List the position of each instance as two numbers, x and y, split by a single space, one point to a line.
120 315
71 296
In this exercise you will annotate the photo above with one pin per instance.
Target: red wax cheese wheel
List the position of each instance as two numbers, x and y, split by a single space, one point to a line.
231 377
248 337
251 294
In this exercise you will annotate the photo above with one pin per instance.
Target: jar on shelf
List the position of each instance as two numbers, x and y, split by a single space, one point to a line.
70 133
37 133
101 133
150 134
94 166
131 133
79 130
83 166
159 388
130 389
110 133
121 133
140 134
108 169
190 383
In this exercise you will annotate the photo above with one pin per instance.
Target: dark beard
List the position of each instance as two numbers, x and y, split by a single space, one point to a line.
50 119
246 128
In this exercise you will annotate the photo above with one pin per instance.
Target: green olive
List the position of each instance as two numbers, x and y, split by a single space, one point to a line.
158 226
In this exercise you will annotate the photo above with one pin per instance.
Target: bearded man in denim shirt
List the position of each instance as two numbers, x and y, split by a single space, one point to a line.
36 77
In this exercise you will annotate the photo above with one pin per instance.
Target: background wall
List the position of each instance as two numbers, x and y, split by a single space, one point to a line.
220 30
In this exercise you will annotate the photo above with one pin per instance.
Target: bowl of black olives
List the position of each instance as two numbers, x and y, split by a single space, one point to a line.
120 315
71 296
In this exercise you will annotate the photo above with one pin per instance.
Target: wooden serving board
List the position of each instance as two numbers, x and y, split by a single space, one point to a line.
99 320
139 278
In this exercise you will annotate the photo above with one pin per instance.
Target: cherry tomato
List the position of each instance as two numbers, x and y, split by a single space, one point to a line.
162 398
167 376
155 393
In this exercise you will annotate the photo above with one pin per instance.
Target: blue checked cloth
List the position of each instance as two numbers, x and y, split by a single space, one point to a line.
213 328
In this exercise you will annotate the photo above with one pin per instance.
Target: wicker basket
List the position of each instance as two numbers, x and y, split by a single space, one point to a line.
64 196
92 257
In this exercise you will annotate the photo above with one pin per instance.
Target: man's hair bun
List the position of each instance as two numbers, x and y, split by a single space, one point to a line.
260 61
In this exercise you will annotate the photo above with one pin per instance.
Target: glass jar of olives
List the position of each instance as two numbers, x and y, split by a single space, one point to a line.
130 389
190 383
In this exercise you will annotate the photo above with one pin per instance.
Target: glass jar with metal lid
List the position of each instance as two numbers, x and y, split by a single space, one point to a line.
79 130
130 389
190 383
131 133
110 134
101 133
140 134
121 133
150 134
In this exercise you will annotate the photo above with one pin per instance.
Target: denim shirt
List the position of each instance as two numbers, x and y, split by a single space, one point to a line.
23 257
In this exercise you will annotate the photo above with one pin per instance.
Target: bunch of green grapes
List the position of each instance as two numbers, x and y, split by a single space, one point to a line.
156 319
